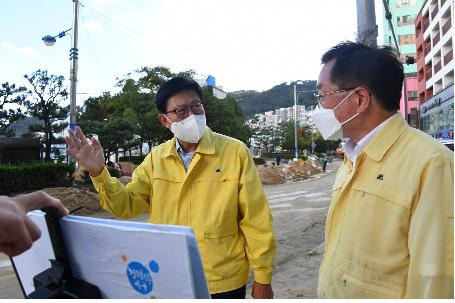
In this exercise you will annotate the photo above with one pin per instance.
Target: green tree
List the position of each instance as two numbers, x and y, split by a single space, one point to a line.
152 78
325 146
225 117
47 93
10 95
114 135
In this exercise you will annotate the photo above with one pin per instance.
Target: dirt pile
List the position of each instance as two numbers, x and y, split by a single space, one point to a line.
73 197
127 166
295 171
270 174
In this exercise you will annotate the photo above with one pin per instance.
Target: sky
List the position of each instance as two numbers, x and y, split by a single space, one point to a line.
244 44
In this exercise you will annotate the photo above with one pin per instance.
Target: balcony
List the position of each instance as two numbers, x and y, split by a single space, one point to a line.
425 25
428 73
427 49
448 57
434 12
436 39
446 26
437 67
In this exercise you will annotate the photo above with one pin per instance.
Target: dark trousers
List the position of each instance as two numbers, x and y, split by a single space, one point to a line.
238 293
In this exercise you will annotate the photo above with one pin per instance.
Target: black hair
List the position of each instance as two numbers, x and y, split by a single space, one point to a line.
172 87
375 68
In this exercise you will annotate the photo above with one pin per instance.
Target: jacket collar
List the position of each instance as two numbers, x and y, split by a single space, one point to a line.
206 145
385 138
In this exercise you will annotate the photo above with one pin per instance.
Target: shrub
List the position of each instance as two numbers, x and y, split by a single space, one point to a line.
134 159
17 178
259 161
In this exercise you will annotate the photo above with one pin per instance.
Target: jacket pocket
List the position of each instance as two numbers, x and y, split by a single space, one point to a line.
364 288
386 193
219 233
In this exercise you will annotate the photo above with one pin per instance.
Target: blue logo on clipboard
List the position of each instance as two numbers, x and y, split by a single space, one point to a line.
139 276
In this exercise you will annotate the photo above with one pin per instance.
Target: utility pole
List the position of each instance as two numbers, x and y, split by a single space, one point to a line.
296 147
73 68
367 30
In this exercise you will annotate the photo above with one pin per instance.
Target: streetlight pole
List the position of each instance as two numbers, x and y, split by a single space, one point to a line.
296 147
50 40
73 68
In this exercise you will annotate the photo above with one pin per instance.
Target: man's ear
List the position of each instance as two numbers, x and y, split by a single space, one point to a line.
364 100
165 122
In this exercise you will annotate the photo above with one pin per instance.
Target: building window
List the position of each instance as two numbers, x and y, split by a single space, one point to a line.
438 121
412 95
407 39
406 20
406 3
403 57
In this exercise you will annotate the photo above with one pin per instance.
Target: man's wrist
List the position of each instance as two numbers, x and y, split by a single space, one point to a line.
96 174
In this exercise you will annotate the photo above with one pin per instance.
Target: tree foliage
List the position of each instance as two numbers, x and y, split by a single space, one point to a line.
44 100
253 102
10 95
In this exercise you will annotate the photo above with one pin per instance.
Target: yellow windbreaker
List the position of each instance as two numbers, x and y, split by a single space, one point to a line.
220 197
389 231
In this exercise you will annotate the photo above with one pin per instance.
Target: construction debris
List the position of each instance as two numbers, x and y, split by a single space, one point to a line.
295 171
73 197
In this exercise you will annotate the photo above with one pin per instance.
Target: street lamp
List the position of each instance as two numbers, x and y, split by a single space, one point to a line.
50 40
296 146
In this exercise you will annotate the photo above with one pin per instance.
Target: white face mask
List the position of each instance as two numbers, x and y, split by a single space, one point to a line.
328 125
191 129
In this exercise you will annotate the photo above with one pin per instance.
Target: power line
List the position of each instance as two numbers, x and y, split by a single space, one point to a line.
111 20
388 16
91 46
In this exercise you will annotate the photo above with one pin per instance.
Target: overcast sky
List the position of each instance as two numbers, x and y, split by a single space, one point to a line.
244 44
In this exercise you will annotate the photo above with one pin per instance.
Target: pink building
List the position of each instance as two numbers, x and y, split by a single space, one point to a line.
411 84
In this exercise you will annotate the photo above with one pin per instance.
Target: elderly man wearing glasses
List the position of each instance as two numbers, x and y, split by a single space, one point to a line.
200 179
389 229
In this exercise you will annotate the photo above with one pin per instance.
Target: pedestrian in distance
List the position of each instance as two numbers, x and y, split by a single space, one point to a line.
389 229
324 163
278 159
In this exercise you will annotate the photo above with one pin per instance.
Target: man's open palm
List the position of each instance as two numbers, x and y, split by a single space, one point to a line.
88 154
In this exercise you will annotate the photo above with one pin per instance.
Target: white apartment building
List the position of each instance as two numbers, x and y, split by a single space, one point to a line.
439 31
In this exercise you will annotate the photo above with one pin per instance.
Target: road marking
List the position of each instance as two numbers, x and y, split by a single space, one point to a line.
286 199
314 195
280 206
301 210
5 264
319 199
288 194
294 196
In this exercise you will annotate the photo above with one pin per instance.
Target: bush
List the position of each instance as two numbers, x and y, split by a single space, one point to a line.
284 155
259 161
303 157
17 178
134 159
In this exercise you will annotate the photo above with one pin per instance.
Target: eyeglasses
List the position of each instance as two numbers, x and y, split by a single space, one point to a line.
318 96
183 111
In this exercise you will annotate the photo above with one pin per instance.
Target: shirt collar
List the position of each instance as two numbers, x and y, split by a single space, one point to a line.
206 145
352 149
385 138
179 148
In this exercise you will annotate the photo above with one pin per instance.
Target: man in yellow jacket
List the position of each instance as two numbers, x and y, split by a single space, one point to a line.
389 229
200 179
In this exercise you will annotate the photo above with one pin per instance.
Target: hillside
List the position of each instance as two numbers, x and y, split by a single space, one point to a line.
282 95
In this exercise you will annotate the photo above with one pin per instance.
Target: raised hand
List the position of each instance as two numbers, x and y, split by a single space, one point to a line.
88 154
